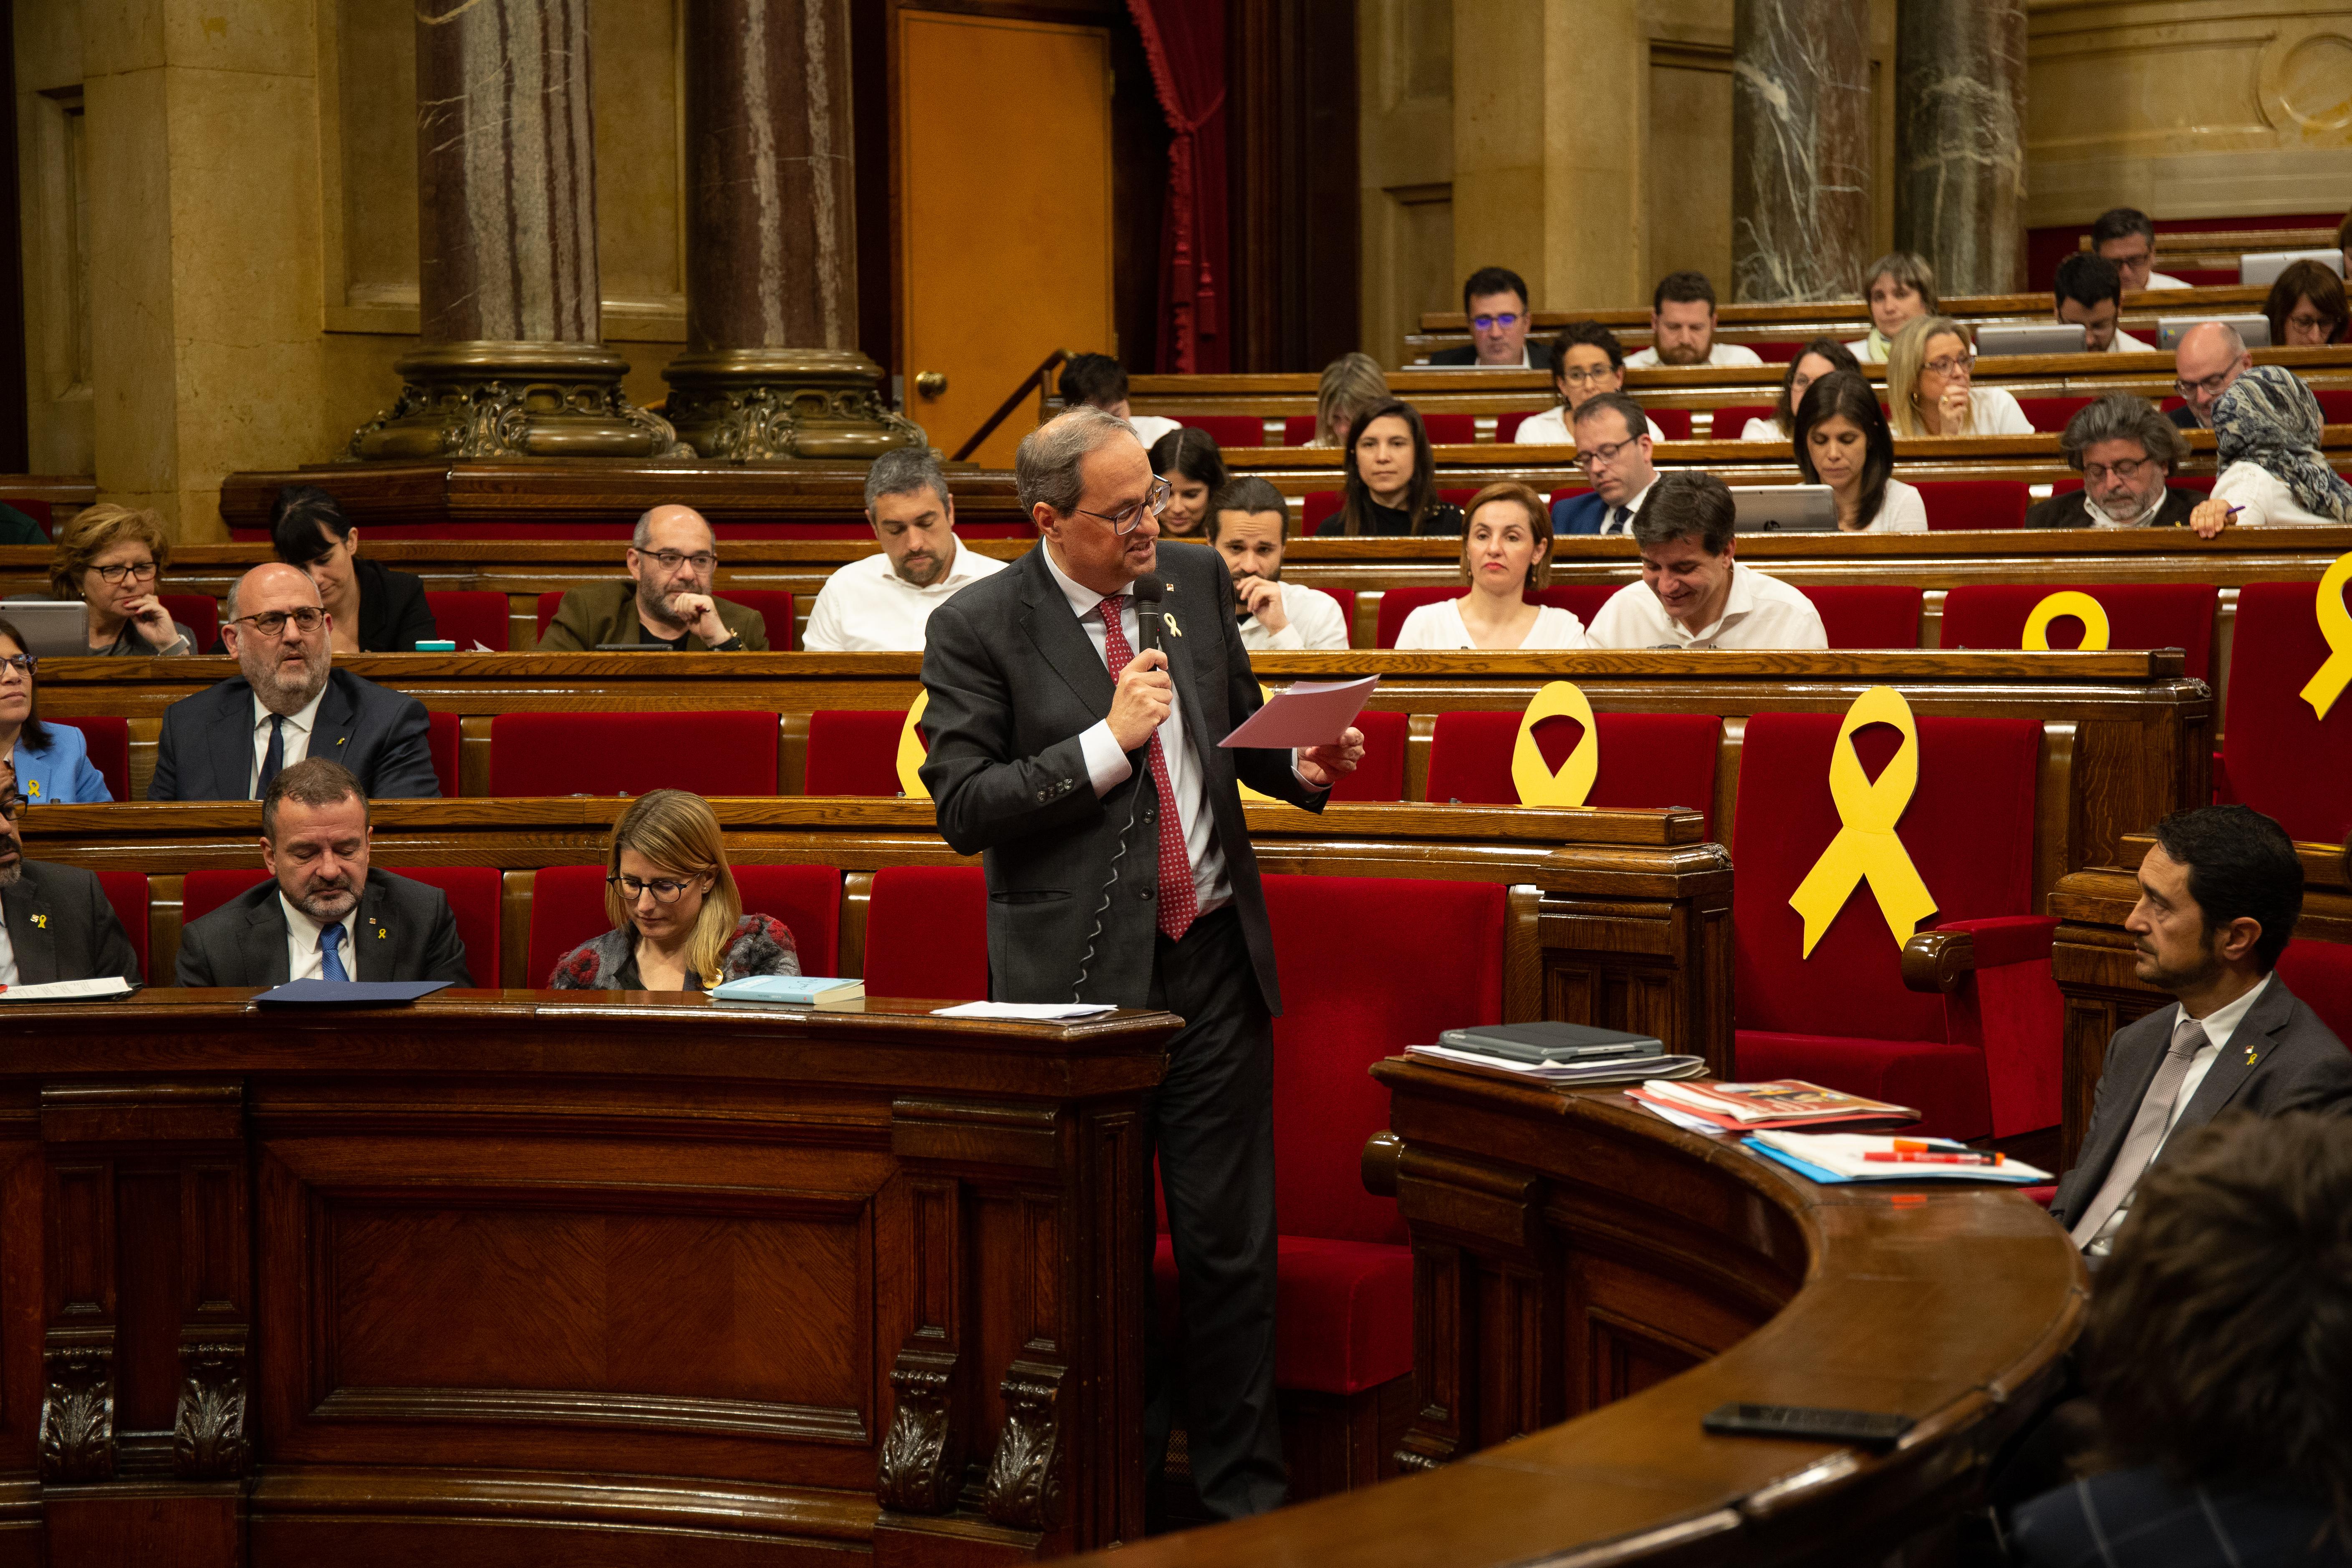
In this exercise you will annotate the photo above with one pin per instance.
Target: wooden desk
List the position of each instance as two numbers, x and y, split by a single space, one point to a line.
506 1274
1578 1261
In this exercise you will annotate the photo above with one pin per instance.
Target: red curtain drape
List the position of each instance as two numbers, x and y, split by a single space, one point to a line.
1185 42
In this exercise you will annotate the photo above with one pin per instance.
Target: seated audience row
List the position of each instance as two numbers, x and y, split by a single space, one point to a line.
2306 306
1585 360
1390 480
1249 524
880 603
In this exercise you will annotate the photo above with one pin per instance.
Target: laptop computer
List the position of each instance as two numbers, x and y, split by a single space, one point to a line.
2002 338
1783 508
2254 329
53 628
2261 269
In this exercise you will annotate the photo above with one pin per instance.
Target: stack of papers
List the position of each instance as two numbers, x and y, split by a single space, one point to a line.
1568 1073
1029 1012
1831 1158
97 990
1781 1102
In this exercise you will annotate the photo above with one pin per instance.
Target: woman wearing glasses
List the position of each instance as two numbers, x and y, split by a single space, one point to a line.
1585 360
1391 481
52 762
1821 357
679 922
1927 371
111 558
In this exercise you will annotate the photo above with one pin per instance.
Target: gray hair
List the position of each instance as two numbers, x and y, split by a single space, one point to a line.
2122 417
903 470
1046 468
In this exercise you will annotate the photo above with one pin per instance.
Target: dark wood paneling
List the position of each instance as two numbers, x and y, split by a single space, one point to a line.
1291 118
16 434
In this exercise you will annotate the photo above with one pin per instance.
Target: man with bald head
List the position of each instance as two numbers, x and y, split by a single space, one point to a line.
2210 358
666 602
229 741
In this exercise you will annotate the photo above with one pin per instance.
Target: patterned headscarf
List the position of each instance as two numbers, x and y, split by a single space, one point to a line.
2271 419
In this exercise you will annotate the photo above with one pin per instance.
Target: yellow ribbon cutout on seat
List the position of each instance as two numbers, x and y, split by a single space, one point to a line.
1537 783
1866 846
2068 602
2336 625
910 750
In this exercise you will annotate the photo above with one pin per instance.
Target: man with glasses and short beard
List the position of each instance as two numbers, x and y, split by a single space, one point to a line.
229 741
54 921
2126 452
665 603
324 914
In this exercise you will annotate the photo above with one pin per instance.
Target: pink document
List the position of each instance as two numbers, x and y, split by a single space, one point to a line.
1312 714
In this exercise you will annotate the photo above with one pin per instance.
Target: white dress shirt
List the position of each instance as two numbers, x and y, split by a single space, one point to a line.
294 737
2124 343
1721 355
1315 625
2160 280
867 607
1441 626
305 959
2219 1024
1551 428
1760 611
1994 411
7 957
1763 429
2263 498
1150 428
1900 511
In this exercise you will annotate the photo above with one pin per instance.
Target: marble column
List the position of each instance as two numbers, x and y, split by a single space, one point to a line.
771 367
512 361
1959 141
1800 149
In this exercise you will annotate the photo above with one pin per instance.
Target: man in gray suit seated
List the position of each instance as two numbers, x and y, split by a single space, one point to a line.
2218 898
326 916
229 742
57 924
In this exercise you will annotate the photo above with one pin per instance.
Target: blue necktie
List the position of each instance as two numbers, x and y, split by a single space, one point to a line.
1621 520
273 756
331 942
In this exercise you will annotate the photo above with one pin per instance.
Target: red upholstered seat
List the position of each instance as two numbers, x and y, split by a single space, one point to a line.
1297 430
775 612
443 737
629 754
2283 759
807 898
1646 759
567 908
1985 1060
1342 1310
1460 497
548 603
2049 414
203 891
1318 505
1450 429
109 741
2139 615
2335 405
927 933
1975 503
468 616
1561 494
853 750
2321 974
1674 422
127 892
1582 600
38 510
200 612
1380 775
1730 420
1506 426
1867 615
474 893
1231 429
1778 350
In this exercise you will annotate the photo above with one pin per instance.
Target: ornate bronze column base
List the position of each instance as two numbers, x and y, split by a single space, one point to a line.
749 406
515 400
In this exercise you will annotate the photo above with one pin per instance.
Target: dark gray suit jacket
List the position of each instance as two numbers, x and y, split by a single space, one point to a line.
1539 355
206 752
62 928
2066 511
1014 681
2299 1065
405 931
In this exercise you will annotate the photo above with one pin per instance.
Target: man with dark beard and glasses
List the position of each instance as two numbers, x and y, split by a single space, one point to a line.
229 742
665 602
57 924
325 915
2219 896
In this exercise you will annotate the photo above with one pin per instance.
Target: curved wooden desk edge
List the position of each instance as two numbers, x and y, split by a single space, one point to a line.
1953 1305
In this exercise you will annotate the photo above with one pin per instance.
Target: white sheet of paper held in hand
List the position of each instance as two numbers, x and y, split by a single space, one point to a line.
1312 714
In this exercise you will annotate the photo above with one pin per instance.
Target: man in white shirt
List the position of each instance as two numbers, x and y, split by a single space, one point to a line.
2219 897
1692 593
881 602
2126 237
2090 295
1099 381
1682 328
1248 525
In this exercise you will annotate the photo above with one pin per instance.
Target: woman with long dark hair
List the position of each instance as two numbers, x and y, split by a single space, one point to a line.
1843 442
1822 356
1190 461
1391 481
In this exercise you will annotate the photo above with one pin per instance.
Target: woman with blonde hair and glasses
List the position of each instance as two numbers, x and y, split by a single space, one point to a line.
677 920
111 558
1928 367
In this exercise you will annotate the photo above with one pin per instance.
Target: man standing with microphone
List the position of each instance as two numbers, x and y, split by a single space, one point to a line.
1076 704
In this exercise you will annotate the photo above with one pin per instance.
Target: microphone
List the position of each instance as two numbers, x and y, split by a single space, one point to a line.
1145 590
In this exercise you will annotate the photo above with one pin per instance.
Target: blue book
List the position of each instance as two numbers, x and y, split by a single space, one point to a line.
791 991
350 993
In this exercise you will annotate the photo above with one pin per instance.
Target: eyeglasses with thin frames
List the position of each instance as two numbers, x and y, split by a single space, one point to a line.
669 560
1503 322
2213 385
1154 502
1951 366
26 664
1594 457
272 623
1582 377
665 889
142 570
2128 470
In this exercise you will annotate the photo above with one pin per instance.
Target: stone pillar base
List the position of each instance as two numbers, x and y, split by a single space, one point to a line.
748 406
514 400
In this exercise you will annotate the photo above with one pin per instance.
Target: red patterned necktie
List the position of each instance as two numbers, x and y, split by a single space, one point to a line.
1179 899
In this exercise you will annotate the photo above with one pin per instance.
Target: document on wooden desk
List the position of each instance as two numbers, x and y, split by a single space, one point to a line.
1032 1012
99 990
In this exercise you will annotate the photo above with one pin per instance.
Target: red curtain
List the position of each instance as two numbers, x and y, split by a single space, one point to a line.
1185 41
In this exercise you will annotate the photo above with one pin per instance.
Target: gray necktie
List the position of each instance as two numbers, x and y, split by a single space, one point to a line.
2148 1130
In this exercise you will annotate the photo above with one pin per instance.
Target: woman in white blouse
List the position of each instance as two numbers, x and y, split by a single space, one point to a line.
1586 361
1843 442
1927 371
2266 432
1506 551
1822 356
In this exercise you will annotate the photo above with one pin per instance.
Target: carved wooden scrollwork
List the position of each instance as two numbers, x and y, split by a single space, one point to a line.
208 1426
77 1440
922 1468
1024 1478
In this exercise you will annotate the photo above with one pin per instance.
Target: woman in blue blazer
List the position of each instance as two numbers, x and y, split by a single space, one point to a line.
52 762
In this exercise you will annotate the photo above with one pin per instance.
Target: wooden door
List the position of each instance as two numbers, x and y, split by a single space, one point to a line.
1004 214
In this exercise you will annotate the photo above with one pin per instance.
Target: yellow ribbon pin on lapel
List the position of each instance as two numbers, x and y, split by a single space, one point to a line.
2068 602
1537 783
1866 846
2336 625
910 750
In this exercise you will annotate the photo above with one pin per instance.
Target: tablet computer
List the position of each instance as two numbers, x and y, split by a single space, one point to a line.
2002 338
53 628
2254 329
2261 269
1784 509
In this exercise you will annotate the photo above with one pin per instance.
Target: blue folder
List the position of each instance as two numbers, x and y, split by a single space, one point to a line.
350 993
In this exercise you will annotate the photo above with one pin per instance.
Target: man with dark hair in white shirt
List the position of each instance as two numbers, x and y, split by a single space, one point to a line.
1248 525
1692 593
882 603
